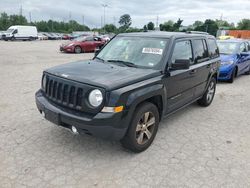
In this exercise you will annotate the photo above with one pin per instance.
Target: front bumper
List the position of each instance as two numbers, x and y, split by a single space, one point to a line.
67 49
111 126
225 72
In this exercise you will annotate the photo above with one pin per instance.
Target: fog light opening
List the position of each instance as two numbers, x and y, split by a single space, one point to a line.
74 130
43 114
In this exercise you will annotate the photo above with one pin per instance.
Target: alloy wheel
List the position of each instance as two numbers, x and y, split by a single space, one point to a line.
145 128
211 91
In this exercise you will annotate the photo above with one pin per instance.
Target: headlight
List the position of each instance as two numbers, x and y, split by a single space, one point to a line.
70 44
44 82
227 63
95 97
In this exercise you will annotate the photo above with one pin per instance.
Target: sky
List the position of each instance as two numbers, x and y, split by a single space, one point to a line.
91 13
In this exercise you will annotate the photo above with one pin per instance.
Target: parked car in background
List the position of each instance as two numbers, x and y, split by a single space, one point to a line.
130 85
50 36
235 59
1 33
67 37
106 38
41 36
20 32
82 44
56 35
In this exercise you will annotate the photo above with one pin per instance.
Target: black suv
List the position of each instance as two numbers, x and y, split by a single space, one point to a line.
130 85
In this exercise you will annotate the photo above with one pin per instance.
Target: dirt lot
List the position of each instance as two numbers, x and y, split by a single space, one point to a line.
196 147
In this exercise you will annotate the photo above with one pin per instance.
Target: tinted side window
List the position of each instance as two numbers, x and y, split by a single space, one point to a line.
248 46
200 50
213 48
243 47
182 50
89 39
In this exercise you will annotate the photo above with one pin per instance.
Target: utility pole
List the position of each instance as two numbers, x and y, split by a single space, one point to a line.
69 15
104 9
114 21
30 16
21 10
83 20
157 22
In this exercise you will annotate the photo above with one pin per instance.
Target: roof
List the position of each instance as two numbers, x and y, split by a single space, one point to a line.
164 34
233 40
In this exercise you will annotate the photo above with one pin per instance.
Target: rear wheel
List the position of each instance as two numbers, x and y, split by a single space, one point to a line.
78 50
142 129
208 96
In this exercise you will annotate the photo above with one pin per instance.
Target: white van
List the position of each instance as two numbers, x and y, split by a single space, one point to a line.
20 32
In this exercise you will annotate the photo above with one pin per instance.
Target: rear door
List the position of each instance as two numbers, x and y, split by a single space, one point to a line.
202 62
243 62
181 83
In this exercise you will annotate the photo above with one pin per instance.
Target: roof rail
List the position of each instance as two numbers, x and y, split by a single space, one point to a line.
197 32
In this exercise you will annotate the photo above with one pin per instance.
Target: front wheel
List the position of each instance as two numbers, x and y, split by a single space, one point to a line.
248 72
208 96
78 50
142 129
233 75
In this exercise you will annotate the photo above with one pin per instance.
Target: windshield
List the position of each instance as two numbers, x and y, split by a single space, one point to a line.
141 51
9 30
228 47
79 39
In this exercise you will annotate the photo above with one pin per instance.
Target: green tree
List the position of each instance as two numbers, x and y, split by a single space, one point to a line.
209 26
17 20
197 23
110 28
4 21
167 26
177 25
244 24
151 26
125 22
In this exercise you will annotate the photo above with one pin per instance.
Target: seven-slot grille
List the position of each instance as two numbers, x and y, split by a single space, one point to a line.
64 93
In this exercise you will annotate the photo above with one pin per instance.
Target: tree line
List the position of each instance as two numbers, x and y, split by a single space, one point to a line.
125 21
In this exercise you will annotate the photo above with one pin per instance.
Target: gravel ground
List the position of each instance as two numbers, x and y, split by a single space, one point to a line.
196 147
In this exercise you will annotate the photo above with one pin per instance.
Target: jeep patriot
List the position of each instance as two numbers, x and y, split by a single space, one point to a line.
130 85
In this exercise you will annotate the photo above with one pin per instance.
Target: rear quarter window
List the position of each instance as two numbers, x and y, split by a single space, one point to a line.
200 50
213 48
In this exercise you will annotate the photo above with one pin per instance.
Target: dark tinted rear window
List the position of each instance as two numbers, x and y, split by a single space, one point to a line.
213 48
200 50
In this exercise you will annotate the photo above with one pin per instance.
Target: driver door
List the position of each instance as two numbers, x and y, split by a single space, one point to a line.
181 83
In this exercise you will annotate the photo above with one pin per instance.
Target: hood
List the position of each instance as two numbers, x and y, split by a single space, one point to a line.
71 42
229 57
105 75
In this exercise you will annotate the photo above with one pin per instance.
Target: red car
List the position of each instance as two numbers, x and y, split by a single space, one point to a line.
82 44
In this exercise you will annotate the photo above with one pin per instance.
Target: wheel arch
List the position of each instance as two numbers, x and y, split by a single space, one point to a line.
155 94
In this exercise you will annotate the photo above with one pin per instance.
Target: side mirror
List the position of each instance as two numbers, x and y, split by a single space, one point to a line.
97 51
181 64
244 54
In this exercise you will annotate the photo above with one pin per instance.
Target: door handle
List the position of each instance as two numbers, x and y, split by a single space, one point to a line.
193 71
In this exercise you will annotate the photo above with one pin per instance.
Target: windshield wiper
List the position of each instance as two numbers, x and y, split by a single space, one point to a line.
100 59
128 64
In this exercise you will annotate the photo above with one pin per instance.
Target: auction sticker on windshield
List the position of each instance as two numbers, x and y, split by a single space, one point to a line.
157 51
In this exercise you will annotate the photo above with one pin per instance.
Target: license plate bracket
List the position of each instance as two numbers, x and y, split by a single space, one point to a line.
52 117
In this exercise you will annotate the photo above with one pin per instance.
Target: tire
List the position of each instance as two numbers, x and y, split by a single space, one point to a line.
208 96
78 50
143 128
12 38
248 72
233 75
